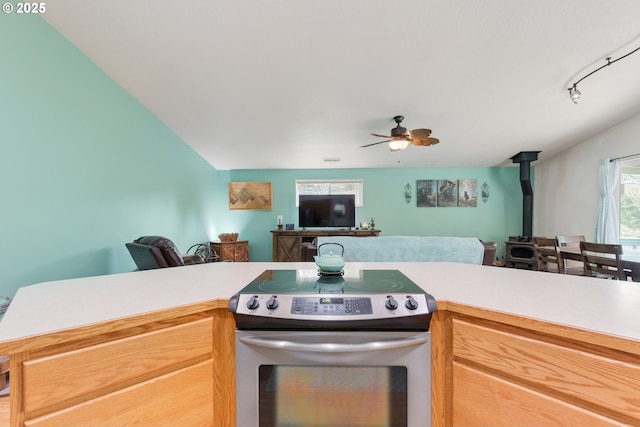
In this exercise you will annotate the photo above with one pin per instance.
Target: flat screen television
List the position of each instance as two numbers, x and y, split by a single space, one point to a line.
327 210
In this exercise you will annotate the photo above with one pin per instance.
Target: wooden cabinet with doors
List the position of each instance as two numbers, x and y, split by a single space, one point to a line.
152 369
237 251
491 368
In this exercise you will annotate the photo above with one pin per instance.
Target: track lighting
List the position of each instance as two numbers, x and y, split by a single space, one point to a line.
574 93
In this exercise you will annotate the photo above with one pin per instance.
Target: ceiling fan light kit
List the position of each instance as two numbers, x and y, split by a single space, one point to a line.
400 138
398 144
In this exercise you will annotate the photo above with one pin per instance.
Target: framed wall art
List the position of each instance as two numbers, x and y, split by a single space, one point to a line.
467 193
447 192
250 196
426 193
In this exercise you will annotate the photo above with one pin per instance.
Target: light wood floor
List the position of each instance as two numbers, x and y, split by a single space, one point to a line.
4 411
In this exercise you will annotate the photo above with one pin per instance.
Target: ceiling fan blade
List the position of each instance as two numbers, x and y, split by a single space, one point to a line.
375 143
421 133
380 136
425 142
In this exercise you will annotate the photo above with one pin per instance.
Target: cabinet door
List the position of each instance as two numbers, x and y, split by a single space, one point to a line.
286 248
180 398
539 380
228 252
242 252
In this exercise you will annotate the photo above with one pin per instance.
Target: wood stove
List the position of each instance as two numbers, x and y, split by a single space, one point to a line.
520 253
519 249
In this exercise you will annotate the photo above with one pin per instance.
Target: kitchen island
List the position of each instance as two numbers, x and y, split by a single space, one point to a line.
510 347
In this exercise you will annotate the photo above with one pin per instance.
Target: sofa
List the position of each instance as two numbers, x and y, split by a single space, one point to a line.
405 248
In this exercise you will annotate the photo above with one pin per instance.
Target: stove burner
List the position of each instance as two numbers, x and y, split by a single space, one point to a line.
376 285
282 286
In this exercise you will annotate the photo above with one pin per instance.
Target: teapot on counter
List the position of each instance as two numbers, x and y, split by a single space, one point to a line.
330 262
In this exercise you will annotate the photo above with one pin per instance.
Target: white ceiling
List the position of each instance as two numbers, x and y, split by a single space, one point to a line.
262 84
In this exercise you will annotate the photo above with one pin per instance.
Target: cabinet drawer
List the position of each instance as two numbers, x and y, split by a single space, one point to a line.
577 375
182 398
53 379
481 399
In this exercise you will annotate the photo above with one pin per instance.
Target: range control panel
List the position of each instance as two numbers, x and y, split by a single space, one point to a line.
331 306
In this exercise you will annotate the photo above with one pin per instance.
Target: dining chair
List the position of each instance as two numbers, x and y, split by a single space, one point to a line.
546 252
603 260
564 241
569 266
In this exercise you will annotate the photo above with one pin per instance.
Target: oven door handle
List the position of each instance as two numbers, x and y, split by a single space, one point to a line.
334 347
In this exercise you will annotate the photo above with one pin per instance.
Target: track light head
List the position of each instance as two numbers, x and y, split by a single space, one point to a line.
574 94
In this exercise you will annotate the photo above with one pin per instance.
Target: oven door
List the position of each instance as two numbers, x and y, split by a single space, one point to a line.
333 378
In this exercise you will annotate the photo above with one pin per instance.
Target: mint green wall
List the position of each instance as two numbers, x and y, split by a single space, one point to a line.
84 167
494 220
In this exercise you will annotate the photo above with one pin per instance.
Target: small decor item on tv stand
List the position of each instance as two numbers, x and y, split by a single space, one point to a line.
372 223
228 237
289 227
279 222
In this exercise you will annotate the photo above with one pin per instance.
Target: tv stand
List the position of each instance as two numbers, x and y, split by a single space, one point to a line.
287 243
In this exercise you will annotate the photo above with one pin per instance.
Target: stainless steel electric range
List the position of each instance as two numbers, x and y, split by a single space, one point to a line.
347 349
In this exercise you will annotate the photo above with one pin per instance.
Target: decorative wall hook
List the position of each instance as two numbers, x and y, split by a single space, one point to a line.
485 192
407 193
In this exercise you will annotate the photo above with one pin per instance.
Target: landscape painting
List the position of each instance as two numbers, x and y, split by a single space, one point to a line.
447 192
468 193
426 193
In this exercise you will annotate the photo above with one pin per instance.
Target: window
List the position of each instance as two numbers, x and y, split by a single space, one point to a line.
331 186
630 204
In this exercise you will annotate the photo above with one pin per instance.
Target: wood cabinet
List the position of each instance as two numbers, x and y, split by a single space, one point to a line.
166 364
159 372
501 370
177 367
237 251
287 243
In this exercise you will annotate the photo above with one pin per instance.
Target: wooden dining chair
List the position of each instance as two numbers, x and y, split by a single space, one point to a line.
569 266
547 256
564 241
603 260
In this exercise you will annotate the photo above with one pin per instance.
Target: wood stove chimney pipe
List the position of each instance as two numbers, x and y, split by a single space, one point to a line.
525 158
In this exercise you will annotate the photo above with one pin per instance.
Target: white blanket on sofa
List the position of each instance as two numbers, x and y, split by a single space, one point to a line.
467 250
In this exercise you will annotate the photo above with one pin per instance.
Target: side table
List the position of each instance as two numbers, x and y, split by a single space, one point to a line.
237 251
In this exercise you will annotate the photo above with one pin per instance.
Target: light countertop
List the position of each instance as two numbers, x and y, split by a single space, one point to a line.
599 305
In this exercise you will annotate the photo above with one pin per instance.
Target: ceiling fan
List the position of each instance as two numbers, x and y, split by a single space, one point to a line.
400 138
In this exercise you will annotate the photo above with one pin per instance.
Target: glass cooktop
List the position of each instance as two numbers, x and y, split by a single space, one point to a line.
352 281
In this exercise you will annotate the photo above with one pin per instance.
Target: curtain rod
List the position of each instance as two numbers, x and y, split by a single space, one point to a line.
625 157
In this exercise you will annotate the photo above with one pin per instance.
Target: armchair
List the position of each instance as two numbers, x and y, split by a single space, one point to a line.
151 252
